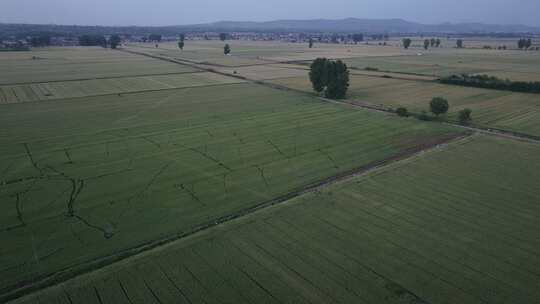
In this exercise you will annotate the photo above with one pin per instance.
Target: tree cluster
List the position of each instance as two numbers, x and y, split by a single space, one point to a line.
491 82
154 38
92 40
357 37
329 77
524 43
227 49
114 41
40 40
223 36
459 43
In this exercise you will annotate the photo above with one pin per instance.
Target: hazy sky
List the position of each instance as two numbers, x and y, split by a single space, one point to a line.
175 12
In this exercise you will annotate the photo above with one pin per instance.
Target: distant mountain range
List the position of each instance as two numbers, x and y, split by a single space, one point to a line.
350 25
369 26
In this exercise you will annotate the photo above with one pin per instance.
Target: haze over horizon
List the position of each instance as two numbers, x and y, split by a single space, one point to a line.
171 12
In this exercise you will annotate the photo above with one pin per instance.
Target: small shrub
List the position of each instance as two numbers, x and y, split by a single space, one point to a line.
465 116
403 112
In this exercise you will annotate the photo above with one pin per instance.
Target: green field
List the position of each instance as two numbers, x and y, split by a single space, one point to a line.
83 88
515 65
225 189
492 108
455 225
55 64
246 53
96 172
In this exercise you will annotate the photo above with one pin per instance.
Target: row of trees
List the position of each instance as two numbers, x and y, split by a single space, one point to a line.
439 106
329 77
491 82
430 43
524 43
99 40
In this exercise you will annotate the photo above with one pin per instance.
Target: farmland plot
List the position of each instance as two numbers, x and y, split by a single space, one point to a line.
493 108
455 225
245 53
82 88
55 64
87 179
515 65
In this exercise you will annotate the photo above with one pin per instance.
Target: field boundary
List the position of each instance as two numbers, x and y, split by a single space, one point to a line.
16 291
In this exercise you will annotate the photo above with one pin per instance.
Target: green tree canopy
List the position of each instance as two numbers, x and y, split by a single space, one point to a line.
438 106
114 41
227 49
407 43
330 77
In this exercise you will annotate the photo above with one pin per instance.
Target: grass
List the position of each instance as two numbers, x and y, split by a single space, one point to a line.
455 225
500 109
88 177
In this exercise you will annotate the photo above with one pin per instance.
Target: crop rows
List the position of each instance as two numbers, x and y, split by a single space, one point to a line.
96 173
58 64
82 88
491 108
433 229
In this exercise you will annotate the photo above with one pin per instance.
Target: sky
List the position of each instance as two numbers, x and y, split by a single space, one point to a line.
180 12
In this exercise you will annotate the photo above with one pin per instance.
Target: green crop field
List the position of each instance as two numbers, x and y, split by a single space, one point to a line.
82 88
88 177
54 64
501 109
454 225
515 65
128 177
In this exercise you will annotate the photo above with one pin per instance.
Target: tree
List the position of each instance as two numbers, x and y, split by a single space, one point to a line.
227 49
403 112
317 74
528 43
223 36
181 44
330 77
310 43
432 42
357 38
521 43
465 116
114 41
438 106
459 43
407 43
338 80
426 44
438 42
